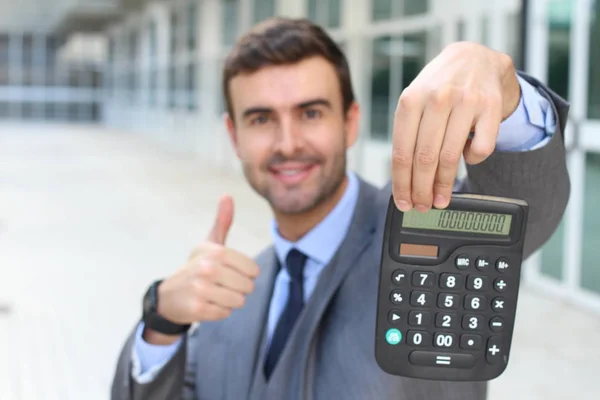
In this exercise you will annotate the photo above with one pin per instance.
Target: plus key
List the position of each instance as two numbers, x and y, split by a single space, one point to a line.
493 353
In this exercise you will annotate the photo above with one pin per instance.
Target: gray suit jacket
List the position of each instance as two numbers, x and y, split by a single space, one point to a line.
331 350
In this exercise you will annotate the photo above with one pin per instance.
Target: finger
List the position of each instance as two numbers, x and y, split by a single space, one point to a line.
427 150
220 295
487 125
220 229
240 263
208 253
457 132
234 280
213 312
404 137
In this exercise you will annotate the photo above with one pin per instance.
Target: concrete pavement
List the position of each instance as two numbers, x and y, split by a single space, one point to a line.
89 216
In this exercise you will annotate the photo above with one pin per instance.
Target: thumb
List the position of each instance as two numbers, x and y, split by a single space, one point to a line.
224 218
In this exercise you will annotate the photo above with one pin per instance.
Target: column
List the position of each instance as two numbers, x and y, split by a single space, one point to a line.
355 17
293 8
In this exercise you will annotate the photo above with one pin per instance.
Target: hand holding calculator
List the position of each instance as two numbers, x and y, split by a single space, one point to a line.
448 288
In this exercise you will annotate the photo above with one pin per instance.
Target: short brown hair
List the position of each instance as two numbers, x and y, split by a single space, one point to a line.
280 41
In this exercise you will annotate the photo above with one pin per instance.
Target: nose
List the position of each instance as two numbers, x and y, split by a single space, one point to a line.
289 138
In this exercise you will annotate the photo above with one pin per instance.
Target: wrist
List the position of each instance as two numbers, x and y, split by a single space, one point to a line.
511 89
159 339
153 319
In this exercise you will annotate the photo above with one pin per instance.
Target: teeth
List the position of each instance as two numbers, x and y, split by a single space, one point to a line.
290 172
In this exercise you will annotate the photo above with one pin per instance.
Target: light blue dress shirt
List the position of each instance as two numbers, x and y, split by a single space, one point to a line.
529 127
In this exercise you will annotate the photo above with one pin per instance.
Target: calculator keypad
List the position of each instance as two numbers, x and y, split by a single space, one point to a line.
449 320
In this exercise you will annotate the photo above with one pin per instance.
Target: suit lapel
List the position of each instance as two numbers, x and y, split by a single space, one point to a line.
246 332
359 237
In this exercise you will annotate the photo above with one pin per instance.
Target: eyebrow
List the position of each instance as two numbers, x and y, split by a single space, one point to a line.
304 104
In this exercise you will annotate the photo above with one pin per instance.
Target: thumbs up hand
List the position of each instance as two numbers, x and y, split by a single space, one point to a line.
214 281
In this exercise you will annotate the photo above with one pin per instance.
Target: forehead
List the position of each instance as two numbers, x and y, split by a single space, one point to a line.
283 86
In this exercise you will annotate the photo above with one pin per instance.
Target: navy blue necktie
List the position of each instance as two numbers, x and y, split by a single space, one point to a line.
295 261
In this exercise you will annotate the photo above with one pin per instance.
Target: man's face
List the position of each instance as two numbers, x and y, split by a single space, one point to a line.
291 132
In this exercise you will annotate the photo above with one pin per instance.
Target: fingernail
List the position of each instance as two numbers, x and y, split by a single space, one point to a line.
440 201
422 208
403 206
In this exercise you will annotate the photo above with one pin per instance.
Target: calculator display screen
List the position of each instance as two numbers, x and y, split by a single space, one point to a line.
459 221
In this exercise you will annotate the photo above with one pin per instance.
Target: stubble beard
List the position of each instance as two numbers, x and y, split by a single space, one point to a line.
300 200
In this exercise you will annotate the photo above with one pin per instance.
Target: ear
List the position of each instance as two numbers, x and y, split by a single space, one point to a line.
230 124
352 124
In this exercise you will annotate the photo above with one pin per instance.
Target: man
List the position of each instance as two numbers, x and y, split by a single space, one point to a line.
298 321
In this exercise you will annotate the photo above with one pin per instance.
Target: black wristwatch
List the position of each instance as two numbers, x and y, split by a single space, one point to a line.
154 321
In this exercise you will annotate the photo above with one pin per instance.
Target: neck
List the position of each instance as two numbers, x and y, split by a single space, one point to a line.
293 226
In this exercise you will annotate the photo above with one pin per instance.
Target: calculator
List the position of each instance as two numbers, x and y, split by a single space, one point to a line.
448 288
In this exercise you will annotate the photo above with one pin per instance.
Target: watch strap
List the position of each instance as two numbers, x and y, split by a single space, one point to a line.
156 322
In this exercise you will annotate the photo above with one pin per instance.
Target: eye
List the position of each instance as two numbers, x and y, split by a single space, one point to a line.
312 113
259 119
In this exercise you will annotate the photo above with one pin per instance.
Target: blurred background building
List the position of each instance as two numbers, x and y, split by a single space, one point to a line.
112 143
153 68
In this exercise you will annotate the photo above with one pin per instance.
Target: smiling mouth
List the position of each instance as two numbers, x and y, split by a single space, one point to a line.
292 174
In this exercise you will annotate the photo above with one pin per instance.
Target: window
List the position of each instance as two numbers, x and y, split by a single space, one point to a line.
388 9
559 27
191 86
325 12
133 77
4 46
594 63
152 72
552 254
173 32
461 31
396 63
558 71
172 87
514 38
263 9
192 26
485 30
229 14
590 273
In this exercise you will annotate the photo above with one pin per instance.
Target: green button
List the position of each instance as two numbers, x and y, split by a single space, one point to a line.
393 336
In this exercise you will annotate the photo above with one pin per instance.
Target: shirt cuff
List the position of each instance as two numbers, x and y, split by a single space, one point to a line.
148 359
531 125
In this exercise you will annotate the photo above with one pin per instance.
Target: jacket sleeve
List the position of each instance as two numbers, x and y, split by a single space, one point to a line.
537 176
171 383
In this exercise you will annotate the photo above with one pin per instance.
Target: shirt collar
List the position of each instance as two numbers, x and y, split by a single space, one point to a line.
321 242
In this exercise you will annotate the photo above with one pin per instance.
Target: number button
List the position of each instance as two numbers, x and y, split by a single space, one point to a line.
421 299
477 283
418 338
448 301
446 320
450 281
445 340
472 322
471 342
482 263
498 304
398 277
397 297
419 318
423 279
502 265
474 302
500 285
462 261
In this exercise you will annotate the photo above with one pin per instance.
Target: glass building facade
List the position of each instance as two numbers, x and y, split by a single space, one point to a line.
161 78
